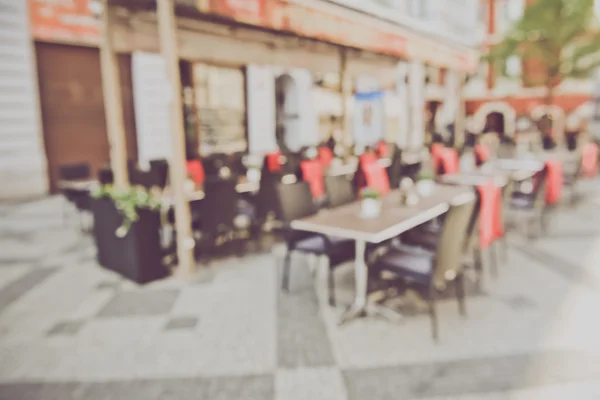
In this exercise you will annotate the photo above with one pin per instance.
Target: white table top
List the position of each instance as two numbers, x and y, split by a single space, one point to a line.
346 222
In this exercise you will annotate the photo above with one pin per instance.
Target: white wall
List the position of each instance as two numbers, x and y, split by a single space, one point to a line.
23 168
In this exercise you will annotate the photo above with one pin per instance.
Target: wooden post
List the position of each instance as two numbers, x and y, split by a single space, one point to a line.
167 30
113 107
345 92
460 122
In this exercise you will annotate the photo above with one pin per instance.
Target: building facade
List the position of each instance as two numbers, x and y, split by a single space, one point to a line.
290 70
495 101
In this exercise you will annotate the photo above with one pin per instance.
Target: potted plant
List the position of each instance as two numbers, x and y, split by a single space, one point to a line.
127 232
425 182
370 206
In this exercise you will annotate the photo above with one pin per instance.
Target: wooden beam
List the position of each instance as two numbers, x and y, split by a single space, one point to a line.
113 107
167 30
346 92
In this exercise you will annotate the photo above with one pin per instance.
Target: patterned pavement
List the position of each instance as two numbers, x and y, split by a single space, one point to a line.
71 330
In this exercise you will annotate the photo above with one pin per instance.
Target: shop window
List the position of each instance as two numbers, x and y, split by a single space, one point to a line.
220 108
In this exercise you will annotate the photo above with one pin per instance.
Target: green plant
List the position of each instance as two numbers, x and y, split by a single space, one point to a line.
369 193
425 175
128 201
560 36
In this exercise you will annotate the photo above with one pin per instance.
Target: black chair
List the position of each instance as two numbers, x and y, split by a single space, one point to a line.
73 172
296 202
432 271
105 176
213 217
530 208
339 191
160 171
79 198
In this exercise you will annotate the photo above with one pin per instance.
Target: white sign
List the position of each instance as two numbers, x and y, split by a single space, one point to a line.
152 97
368 118
260 92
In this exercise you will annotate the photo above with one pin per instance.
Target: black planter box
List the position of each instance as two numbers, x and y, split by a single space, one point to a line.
138 255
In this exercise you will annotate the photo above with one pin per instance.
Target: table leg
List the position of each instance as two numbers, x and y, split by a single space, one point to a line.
361 306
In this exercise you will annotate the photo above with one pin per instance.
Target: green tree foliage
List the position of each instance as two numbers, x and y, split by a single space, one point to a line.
562 34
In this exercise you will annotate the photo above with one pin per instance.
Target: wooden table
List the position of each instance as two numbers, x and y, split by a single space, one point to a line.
346 222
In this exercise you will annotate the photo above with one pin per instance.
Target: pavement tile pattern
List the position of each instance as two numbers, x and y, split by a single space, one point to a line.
72 330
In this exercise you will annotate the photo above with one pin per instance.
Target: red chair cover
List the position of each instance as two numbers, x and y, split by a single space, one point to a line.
273 163
449 158
377 178
312 172
436 150
367 159
383 149
482 152
490 214
589 160
555 182
195 170
325 156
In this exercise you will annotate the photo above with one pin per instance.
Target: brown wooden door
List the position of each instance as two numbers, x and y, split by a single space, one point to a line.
73 120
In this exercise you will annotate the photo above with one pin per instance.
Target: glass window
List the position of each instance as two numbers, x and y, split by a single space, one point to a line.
220 108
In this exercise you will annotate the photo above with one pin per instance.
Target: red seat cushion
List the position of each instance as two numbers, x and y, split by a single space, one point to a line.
482 152
589 160
377 178
367 159
555 181
383 149
273 163
325 156
196 171
490 214
449 159
312 172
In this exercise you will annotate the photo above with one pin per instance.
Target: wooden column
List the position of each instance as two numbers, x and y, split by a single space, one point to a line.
346 92
460 124
167 30
113 107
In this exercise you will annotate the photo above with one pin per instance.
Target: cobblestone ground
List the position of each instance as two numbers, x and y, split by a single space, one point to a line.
72 330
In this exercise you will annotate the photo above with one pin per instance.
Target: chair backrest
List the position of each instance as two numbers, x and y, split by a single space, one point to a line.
449 160
195 170
448 258
272 161
539 188
383 149
71 172
482 154
376 177
218 209
160 169
312 172
339 190
325 156
367 158
295 201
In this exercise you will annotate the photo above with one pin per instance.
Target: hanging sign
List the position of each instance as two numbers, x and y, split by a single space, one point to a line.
368 118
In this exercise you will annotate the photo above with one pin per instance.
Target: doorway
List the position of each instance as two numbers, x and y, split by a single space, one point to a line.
72 107
494 123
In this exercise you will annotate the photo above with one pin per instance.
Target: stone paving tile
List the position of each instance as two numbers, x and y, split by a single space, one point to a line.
41 391
483 375
150 303
18 288
66 328
302 339
310 383
181 323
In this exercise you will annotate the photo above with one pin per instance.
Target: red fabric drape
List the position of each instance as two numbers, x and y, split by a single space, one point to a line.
449 159
312 172
367 159
273 163
490 214
377 178
555 182
195 170
589 160
482 152
383 149
325 156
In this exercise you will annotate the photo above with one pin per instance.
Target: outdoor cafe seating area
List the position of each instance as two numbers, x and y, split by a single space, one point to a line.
429 225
